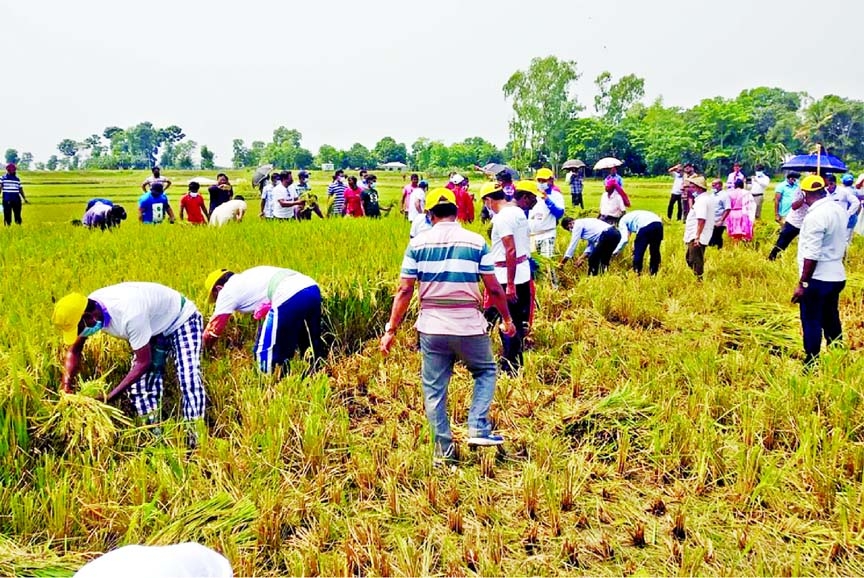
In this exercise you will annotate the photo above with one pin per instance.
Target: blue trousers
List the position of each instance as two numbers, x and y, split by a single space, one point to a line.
820 314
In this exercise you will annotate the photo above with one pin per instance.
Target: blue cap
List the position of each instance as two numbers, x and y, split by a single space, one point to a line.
848 179
423 184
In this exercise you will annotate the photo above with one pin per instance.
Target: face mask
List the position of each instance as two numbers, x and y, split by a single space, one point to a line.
343 180
193 195
91 331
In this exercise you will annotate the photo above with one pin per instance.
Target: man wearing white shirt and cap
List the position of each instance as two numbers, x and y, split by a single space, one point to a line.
543 217
699 227
648 228
602 238
156 321
287 303
820 266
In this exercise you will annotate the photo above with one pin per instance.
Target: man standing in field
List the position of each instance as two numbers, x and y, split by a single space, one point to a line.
790 222
758 185
13 195
267 196
677 189
287 303
648 229
221 192
304 194
153 206
721 213
786 193
602 238
511 248
735 175
156 178
336 192
192 206
407 191
845 197
698 228
543 217
157 321
285 202
574 179
449 262
820 266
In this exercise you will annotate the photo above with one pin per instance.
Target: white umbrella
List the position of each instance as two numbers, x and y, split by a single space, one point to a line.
202 181
607 163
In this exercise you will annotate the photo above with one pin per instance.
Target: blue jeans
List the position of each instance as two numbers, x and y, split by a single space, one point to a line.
820 314
440 352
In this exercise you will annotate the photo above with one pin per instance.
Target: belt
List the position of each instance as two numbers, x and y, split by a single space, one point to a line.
519 260
448 304
760 195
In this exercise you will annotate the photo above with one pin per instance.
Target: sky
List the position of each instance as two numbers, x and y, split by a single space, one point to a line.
343 72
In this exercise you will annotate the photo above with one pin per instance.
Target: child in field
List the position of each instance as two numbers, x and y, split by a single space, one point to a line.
192 205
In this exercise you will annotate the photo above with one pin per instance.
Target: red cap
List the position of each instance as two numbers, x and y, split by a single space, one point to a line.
10 167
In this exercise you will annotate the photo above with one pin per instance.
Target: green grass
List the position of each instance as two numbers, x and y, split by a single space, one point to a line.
661 426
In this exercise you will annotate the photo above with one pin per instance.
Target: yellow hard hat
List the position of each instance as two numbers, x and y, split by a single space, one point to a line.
529 187
544 174
67 315
812 183
440 196
212 278
488 187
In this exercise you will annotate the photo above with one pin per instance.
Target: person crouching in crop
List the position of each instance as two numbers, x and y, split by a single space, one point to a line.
102 214
287 303
156 321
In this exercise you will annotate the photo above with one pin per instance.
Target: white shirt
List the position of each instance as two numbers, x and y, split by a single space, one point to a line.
796 216
759 183
589 229
703 208
151 179
541 222
845 197
823 239
612 205
677 183
138 311
511 222
227 211
281 193
420 224
245 292
188 560
267 197
417 194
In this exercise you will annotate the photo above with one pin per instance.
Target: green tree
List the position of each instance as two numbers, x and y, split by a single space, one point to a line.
52 163
26 161
614 99
93 143
143 142
358 156
241 154
68 147
12 156
419 157
387 150
329 154
543 107
207 158
284 135
837 124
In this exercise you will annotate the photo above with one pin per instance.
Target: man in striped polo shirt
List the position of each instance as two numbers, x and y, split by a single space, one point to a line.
449 262
13 195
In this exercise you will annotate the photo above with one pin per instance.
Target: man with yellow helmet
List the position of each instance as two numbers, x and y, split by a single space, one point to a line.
543 218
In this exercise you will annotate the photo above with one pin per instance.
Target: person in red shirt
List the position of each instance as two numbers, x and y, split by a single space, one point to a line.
464 200
353 199
193 206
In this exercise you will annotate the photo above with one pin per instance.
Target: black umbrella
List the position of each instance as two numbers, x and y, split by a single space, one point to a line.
260 174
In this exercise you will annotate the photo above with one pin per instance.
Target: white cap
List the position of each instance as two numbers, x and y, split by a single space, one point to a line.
456 179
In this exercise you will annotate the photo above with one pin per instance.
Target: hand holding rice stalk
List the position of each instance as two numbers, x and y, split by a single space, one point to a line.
80 419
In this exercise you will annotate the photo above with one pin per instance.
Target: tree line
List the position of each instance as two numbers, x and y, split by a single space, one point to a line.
548 125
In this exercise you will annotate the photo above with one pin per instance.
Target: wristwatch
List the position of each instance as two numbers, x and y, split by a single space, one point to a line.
388 328
804 284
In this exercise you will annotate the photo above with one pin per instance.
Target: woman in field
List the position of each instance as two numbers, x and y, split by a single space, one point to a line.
353 199
739 223
612 203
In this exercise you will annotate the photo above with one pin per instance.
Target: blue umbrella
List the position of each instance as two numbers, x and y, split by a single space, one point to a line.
815 162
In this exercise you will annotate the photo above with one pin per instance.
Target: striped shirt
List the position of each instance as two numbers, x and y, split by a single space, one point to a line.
337 191
448 261
11 187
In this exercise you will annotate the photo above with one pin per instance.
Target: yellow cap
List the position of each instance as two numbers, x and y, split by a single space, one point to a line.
544 174
526 187
812 183
440 196
67 315
488 187
210 282
698 181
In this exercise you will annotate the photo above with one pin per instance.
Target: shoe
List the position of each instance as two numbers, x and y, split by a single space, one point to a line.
444 464
486 440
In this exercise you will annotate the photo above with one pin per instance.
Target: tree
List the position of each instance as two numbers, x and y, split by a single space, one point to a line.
329 154
836 123
207 158
183 154
110 131
51 165
241 154
143 142
12 156
284 135
26 160
93 143
613 100
543 107
68 147
387 150
358 156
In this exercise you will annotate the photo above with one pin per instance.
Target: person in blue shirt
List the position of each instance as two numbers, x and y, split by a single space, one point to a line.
153 206
648 228
602 238
784 195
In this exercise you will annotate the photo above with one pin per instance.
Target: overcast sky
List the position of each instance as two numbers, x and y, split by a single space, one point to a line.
344 72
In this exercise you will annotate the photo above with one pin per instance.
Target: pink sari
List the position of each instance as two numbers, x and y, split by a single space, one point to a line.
739 224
